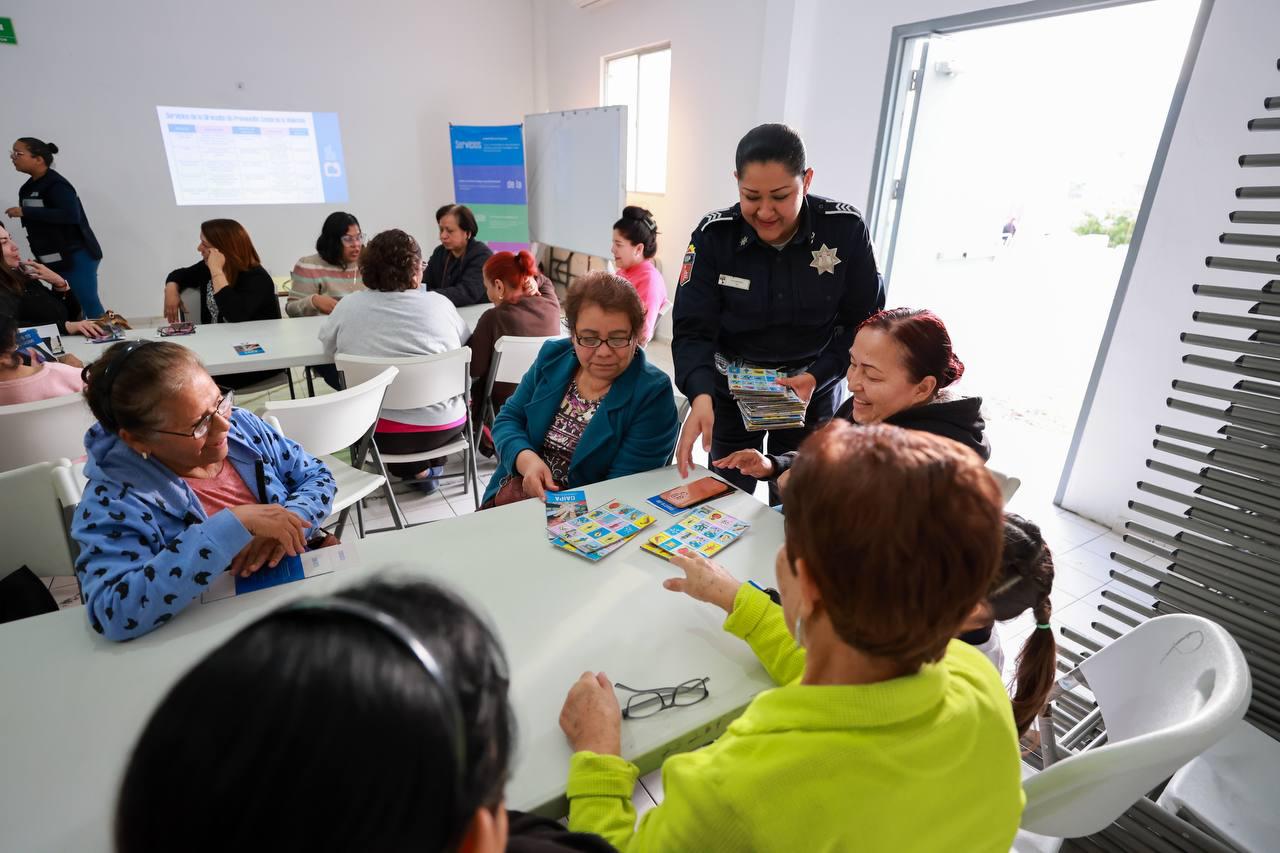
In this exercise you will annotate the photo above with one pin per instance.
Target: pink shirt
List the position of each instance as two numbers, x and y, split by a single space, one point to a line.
226 490
52 380
647 281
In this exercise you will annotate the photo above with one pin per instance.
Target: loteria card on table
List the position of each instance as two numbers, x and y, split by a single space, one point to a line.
704 532
600 532
565 506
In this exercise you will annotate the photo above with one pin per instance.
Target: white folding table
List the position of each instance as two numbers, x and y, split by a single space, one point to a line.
73 703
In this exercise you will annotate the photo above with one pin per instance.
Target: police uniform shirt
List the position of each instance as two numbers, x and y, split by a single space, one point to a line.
795 307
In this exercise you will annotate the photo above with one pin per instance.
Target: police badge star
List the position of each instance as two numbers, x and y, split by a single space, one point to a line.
825 260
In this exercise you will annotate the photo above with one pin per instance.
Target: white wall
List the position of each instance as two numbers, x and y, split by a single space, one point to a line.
716 69
1235 70
88 76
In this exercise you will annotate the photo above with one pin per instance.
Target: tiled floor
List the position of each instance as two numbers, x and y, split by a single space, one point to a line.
1081 551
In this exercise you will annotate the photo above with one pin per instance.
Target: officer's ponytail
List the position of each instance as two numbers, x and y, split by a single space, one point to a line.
771 143
925 342
637 226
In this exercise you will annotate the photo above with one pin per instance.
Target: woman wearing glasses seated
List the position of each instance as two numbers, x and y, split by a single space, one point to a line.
320 280
182 487
882 723
591 407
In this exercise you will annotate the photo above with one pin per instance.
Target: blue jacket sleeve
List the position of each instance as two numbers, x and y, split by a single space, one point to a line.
511 426
306 483
649 440
133 580
61 206
863 296
696 320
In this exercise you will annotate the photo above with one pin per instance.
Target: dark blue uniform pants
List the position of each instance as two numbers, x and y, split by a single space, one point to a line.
730 434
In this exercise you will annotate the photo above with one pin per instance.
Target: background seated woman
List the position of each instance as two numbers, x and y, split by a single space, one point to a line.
885 733
455 269
591 408
25 298
899 366
24 379
385 708
233 284
393 317
182 486
524 305
320 280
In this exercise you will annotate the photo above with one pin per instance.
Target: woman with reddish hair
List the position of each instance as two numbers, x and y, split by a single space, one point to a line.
524 305
233 286
900 367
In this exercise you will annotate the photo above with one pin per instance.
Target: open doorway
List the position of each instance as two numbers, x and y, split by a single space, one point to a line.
1014 164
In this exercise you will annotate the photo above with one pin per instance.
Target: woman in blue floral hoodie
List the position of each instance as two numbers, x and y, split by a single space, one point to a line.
182 487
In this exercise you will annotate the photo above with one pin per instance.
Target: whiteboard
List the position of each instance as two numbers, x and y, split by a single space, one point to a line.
576 166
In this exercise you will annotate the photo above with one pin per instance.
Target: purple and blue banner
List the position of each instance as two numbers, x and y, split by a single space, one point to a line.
488 177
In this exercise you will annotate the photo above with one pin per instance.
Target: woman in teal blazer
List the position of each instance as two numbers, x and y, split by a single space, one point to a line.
591 407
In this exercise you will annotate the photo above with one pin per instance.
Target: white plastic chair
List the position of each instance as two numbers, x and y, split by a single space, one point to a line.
326 424
32 521
512 358
1231 789
1008 485
43 430
423 380
1167 690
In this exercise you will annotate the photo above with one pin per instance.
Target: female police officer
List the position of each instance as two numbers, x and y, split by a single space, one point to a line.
779 280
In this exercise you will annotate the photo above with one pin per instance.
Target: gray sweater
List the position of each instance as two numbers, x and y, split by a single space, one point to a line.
409 322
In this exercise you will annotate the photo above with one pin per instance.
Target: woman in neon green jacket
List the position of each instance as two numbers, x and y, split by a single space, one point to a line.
884 734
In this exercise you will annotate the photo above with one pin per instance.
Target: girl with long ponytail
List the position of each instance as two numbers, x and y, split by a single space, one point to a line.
1024 583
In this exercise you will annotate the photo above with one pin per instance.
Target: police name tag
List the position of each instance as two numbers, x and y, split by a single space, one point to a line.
33 202
734 281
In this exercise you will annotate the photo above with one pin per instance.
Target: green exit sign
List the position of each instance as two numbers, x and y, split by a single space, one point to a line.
7 35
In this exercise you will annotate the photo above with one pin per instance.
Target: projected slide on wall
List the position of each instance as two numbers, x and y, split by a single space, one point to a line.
234 156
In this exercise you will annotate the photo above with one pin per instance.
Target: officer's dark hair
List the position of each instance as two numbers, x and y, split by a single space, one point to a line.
925 342
638 226
127 387
324 731
40 148
329 244
462 213
771 143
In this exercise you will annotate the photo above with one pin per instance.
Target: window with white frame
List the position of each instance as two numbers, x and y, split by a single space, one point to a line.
641 81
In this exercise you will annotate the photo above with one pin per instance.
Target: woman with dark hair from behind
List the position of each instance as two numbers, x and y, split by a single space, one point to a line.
635 242
57 226
320 280
1025 582
455 268
24 379
411 751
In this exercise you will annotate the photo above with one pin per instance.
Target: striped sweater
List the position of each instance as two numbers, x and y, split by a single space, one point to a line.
314 275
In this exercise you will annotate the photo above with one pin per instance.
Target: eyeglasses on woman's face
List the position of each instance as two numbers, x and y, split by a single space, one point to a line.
222 408
593 342
353 239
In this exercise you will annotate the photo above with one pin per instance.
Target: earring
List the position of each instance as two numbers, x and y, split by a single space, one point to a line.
146 454
800 631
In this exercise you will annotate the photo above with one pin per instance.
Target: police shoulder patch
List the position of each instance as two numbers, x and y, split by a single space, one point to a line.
686 267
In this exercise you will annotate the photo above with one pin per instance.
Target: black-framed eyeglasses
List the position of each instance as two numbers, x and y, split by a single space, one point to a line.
352 239
591 341
221 408
646 703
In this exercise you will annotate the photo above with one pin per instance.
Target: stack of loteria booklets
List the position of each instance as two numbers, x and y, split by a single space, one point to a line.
599 532
764 403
